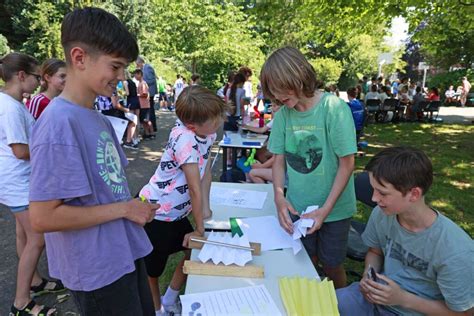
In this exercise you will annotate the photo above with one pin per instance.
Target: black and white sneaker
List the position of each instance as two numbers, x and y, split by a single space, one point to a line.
130 145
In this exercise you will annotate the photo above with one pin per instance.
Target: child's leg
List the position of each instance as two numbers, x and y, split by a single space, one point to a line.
130 131
332 249
261 175
155 292
28 259
20 246
178 280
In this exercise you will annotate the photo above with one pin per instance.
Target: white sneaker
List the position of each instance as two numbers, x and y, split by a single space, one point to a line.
173 309
160 312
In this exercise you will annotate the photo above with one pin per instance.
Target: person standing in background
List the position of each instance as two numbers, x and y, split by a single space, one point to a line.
466 86
150 78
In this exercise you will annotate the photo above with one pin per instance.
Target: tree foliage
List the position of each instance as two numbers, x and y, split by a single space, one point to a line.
212 37
444 30
4 49
327 69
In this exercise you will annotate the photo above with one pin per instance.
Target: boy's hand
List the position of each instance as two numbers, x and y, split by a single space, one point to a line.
385 294
364 287
140 212
256 165
318 216
195 233
283 207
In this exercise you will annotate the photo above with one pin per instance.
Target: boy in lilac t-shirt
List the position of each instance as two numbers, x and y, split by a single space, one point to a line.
79 193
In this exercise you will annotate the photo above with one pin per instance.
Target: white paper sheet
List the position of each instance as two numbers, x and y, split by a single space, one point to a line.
252 300
224 254
267 231
238 198
119 126
300 227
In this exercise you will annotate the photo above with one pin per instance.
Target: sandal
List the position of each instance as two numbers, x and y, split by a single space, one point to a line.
47 286
28 310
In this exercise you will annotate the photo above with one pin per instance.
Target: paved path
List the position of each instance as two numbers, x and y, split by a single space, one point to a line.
142 165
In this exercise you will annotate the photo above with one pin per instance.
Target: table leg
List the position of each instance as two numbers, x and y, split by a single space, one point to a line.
224 159
234 157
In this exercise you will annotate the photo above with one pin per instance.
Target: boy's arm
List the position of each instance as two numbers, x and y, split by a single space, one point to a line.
344 172
21 151
206 190
54 215
392 294
191 172
282 205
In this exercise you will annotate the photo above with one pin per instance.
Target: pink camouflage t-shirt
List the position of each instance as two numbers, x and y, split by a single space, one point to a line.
168 186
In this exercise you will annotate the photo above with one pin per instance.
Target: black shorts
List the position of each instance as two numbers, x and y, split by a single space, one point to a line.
231 124
166 238
144 115
115 113
129 295
133 103
163 96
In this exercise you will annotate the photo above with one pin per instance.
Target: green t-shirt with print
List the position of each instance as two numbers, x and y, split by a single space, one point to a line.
312 142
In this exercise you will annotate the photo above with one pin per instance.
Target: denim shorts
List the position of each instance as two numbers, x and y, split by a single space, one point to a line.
17 209
329 243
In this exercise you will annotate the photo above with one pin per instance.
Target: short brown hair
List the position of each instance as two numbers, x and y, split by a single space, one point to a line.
197 105
287 69
246 71
98 31
49 67
403 167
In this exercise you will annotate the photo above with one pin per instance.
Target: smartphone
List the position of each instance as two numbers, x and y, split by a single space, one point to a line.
371 273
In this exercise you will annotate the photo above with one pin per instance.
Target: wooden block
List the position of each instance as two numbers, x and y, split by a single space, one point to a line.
197 245
208 268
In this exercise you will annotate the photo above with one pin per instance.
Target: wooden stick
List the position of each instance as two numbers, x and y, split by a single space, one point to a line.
198 243
198 268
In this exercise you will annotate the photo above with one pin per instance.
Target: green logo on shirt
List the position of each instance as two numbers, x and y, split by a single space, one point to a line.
108 160
307 154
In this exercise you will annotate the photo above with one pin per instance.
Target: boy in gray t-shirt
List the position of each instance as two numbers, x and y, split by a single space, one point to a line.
425 258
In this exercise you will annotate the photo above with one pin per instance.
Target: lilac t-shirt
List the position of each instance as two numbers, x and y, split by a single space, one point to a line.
76 157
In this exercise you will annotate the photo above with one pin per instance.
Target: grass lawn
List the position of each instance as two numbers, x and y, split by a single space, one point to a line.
451 149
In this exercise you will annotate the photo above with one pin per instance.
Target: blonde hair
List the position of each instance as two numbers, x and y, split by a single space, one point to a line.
197 105
287 69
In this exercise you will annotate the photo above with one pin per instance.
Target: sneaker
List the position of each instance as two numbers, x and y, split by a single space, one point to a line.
130 145
173 309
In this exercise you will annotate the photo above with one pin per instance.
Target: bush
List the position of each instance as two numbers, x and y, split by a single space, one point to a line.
4 49
327 70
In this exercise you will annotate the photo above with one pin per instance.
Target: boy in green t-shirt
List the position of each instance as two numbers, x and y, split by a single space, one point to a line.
314 134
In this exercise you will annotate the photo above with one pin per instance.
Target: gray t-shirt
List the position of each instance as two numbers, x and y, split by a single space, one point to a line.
436 264
239 95
76 157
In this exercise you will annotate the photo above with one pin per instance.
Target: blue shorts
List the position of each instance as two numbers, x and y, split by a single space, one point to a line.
17 209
